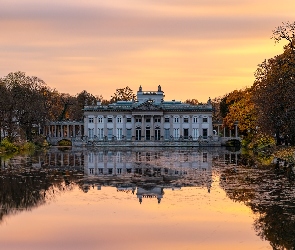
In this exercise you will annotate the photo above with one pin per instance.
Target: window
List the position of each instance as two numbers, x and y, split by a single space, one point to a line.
99 119
195 133
110 171
100 170
128 134
167 134
176 133
110 133
185 120
91 170
100 133
119 170
110 119
167 119
195 119
90 132
205 119
91 120
128 119
119 119
138 120
205 133
157 119
176 119
148 119
119 133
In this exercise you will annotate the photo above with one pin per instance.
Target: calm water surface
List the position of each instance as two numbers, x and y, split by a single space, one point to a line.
144 199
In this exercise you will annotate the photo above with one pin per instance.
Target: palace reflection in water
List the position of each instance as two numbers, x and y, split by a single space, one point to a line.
144 172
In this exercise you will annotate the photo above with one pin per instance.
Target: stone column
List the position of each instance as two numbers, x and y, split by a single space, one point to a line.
124 132
133 126
142 127
210 132
115 125
95 126
171 125
152 128
181 121
200 125
105 128
162 126
190 132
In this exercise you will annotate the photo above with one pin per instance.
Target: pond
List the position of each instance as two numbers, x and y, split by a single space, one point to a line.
144 198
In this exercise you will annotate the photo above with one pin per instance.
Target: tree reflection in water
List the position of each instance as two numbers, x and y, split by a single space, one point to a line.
26 188
270 194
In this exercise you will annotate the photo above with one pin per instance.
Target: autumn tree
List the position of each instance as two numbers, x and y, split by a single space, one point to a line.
123 94
274 87
192 101
241 108
27 104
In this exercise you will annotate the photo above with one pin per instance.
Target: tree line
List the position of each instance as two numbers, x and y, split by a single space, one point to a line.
26 103
267 108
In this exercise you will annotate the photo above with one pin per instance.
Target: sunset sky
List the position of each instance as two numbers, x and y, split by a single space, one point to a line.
192 48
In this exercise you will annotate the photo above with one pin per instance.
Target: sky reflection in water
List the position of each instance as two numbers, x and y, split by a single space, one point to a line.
76 208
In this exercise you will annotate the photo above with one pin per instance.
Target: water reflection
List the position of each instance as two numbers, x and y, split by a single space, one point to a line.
270 194
150 175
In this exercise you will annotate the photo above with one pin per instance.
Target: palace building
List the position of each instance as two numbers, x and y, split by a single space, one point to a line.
149 118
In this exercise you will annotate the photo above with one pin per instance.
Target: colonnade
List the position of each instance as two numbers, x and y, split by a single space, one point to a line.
64 129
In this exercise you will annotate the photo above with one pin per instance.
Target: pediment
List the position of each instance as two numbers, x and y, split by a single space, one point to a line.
147 106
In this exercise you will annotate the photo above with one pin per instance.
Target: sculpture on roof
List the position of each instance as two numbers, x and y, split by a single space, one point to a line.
159 88
140 88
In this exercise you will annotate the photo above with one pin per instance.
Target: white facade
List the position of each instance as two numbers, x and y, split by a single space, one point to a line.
150 118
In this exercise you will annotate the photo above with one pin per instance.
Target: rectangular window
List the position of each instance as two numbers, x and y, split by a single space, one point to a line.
91 120
128 134
100 170
167 134
205 133
100 133
128 119
119 133
195 119
205 119
119 119
176 119
110 171
91 170
148 119
99 119
110 119
138 120
90 132
185 120
119 170
110 133
195 133
157 119
167 119
176 133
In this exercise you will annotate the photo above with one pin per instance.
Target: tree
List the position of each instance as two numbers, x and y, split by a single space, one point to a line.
124 94
241 109
27 106
274 87
192 101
